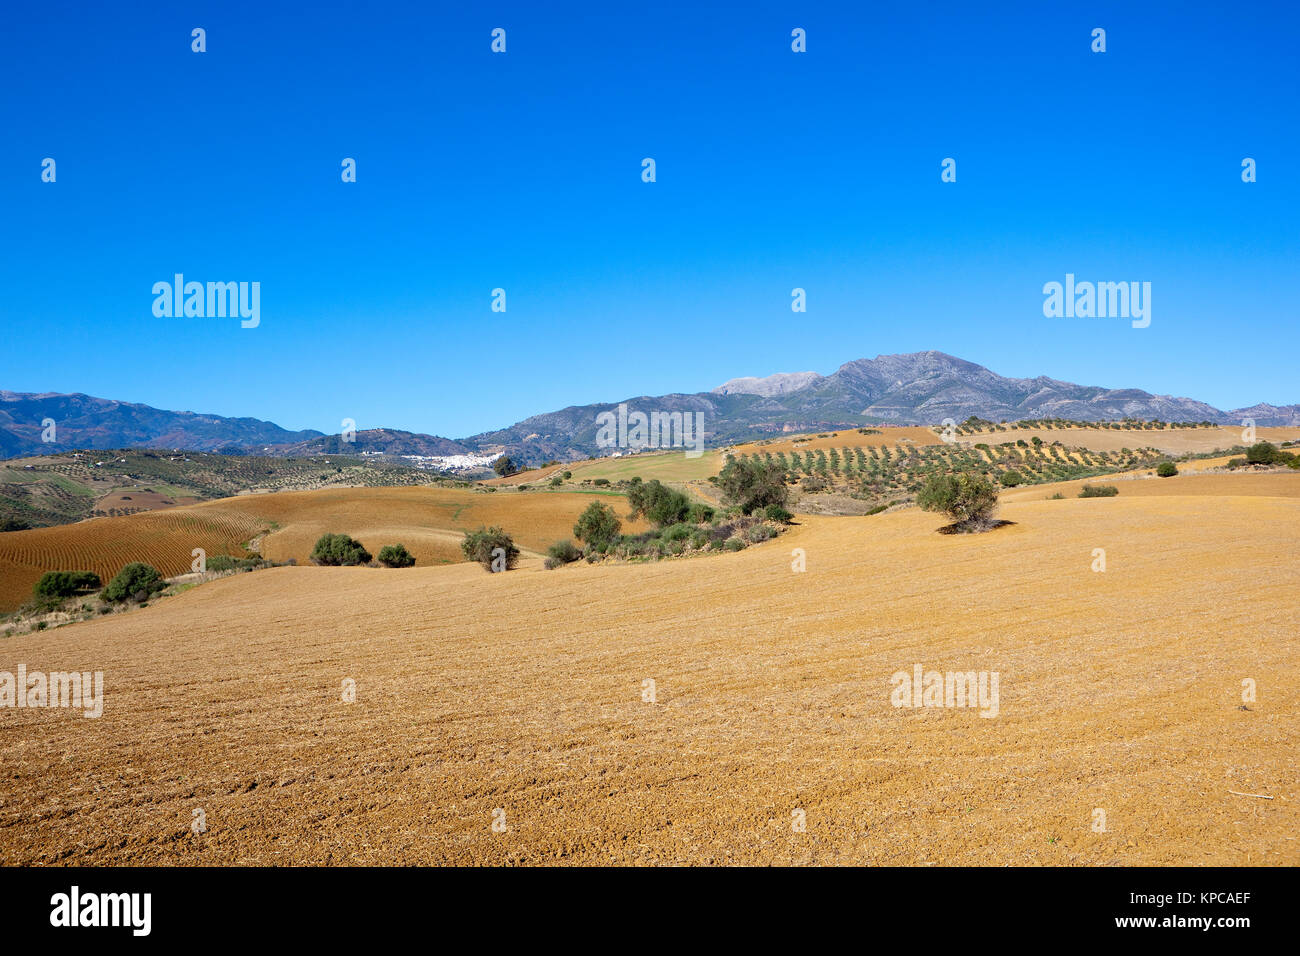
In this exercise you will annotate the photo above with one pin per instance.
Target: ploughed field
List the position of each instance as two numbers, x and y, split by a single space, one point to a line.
430 521
520 698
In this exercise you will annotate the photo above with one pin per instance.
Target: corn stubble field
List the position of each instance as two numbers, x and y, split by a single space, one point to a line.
522 692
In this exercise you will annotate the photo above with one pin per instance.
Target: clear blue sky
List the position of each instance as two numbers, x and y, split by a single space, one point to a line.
775 170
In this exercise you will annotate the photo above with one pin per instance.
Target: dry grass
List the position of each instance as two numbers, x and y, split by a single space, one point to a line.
522 691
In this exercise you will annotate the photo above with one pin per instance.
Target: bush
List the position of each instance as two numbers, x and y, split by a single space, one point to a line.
479 546
600 482
700 514
225 562
678 532
752 483
968 499
597 526
759 532
1010 478
778 513
396 556
335 550
660 504
61 584
505 466
1261 453
137 581
734 544
1098 491
1166 469
561 553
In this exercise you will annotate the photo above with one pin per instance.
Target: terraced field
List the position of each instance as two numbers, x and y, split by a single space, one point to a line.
522 698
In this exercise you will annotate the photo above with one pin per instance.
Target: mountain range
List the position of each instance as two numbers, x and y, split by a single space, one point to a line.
919 388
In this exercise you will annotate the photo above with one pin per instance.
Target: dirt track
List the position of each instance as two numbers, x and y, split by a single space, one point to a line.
1118 690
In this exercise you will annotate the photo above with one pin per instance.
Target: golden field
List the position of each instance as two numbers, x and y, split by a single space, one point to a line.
522 692
429 521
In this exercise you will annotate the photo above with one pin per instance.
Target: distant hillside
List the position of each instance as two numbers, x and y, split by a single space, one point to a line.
920 388
82 421
387 441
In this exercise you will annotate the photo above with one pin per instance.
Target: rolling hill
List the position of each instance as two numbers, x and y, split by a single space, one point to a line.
524 694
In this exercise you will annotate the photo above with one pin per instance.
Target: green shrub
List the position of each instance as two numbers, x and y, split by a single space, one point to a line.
752 483
600 482
968 499
505 466
759 532
597 525
396 556
61 584
734 544
334 550
562 552
660 504
225 562
777 513
1098 491
137 581
1261 453
480 546
678 532
700 514
1166 469
1010 478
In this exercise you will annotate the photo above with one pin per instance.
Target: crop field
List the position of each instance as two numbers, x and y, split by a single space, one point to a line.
670 466
524 698
59 489
164 539
852 437
880 472
430 521
1278 484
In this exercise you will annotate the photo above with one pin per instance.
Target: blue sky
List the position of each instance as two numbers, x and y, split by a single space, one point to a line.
523 171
